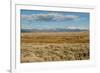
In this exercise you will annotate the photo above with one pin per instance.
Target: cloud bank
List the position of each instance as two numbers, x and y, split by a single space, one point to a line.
48 17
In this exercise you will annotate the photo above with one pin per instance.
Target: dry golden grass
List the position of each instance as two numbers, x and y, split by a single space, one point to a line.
54 46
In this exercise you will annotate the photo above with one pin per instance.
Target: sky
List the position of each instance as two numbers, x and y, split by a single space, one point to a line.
37 19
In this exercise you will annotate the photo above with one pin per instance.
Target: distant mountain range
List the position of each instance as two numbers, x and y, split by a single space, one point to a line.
53 30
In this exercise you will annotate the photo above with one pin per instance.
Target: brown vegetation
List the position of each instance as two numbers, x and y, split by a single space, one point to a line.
54 46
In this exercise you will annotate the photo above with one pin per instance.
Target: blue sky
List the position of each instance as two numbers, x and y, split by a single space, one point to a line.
35 19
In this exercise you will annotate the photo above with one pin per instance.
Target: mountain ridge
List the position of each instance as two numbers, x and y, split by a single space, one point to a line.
53 30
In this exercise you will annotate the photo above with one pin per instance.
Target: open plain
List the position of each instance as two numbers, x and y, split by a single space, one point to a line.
54 46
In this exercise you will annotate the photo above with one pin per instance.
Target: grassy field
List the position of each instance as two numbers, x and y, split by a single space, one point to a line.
54 46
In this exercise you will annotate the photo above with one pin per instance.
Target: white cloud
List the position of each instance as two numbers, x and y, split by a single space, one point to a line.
49 17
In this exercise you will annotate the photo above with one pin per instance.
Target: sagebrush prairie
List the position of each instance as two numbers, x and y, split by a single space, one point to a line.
54 46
